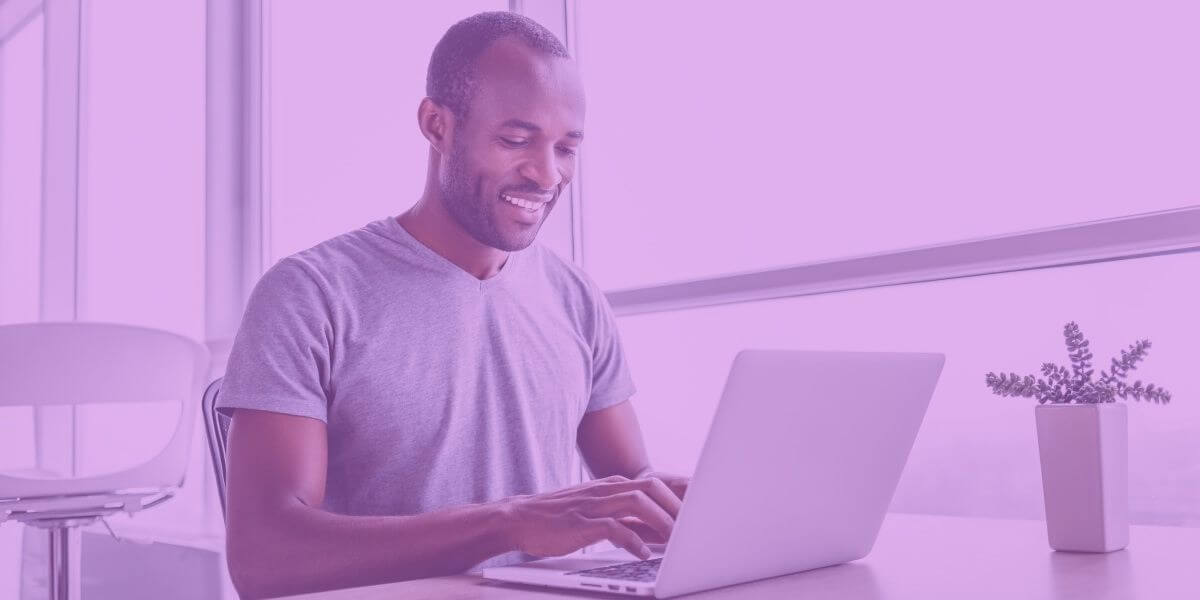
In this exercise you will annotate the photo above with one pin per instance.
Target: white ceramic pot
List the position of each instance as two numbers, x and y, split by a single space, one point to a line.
1085 475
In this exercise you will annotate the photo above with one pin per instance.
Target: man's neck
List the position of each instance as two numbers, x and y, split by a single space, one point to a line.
432 226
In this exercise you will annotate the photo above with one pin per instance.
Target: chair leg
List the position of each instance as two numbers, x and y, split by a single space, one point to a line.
64 563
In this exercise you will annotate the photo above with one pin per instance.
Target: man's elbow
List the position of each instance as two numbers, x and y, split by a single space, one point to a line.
249 579
252 566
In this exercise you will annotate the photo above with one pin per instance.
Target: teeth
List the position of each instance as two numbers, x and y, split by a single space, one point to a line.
529 206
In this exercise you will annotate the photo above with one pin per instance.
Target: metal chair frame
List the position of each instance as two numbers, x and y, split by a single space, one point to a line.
216 426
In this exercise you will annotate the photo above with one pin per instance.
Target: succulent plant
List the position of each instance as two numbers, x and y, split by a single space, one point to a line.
1060 385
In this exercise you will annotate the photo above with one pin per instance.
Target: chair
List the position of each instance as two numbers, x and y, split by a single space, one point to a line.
216 425
44 364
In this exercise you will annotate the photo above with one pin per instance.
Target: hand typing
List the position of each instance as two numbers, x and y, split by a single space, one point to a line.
627 512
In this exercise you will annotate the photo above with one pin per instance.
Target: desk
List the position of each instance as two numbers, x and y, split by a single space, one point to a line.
920 557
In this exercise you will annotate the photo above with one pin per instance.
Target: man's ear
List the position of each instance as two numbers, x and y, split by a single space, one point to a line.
436 123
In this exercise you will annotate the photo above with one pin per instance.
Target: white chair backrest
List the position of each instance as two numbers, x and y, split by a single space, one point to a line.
83 363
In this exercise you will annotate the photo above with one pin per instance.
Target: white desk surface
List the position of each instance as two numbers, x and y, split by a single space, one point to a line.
920 557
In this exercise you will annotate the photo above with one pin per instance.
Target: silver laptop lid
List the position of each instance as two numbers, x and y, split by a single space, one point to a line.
800 464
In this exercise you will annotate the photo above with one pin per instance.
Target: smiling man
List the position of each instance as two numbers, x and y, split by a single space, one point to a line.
407 398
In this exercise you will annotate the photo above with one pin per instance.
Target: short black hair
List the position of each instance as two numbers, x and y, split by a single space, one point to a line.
452 76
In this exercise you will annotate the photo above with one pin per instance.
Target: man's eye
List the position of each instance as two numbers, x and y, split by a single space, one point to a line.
567 151
513 142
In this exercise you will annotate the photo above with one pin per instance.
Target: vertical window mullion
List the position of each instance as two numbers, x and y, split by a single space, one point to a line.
60 265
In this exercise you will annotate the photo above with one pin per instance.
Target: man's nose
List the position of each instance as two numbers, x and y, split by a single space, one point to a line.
542 169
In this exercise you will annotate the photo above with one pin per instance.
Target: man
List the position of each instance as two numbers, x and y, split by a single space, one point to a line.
407 398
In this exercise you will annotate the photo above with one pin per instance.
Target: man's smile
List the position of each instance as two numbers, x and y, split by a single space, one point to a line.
528 209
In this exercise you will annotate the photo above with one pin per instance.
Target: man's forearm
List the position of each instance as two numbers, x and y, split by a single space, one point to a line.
298 549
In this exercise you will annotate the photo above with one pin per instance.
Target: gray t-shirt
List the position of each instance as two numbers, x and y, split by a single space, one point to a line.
437 389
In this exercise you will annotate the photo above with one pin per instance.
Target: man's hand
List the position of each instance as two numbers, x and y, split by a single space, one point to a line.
627 512
677 483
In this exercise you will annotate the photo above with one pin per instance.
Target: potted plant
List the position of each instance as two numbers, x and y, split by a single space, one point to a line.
1083 442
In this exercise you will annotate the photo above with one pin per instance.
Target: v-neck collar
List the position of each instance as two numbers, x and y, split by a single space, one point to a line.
398 233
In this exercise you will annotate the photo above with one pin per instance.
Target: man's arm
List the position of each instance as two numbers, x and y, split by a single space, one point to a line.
611 443
280 541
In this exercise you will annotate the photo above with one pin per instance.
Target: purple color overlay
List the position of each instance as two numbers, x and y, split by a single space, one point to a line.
718 141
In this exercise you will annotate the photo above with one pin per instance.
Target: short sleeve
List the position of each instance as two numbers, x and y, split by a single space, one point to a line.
612 382
280 360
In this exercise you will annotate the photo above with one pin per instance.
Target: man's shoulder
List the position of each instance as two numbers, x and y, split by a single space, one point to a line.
343 256
569 285
561 272
346 247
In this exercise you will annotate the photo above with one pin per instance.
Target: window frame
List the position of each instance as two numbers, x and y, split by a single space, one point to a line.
1121 238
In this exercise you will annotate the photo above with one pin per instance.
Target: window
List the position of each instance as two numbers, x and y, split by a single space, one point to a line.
143 176
976 453
20 171
342 84
141 223
724 138
20 240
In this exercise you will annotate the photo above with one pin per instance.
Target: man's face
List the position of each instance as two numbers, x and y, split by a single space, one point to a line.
511 159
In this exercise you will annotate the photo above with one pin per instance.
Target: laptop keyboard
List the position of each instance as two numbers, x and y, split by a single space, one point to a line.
644 570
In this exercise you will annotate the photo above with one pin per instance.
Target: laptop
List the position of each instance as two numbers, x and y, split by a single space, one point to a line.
799 466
